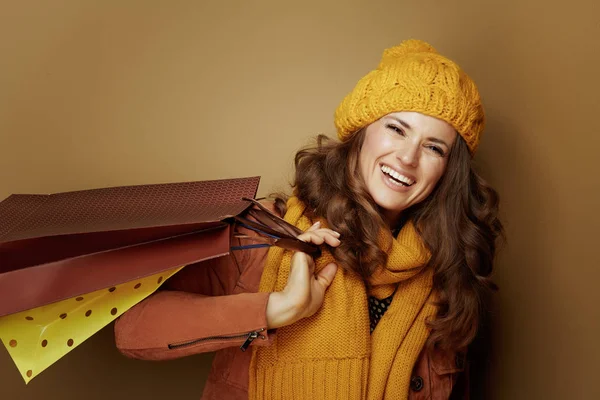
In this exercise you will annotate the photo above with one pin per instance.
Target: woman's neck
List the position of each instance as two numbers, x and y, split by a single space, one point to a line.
392 219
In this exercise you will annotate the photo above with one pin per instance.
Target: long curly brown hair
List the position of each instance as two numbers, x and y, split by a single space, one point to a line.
458 223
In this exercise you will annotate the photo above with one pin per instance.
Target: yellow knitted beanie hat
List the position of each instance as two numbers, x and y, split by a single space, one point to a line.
414 77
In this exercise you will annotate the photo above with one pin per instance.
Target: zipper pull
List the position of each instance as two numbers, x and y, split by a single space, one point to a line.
250 339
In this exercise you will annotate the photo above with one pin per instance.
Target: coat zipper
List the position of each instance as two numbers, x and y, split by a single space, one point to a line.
250 336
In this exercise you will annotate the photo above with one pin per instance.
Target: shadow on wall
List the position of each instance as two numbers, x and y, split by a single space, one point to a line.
508 320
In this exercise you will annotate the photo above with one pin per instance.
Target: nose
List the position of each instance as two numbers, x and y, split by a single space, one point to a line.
409 154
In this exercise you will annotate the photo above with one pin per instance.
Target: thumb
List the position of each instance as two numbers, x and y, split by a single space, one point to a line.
326 275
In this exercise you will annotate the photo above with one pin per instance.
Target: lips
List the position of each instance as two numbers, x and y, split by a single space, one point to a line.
397 177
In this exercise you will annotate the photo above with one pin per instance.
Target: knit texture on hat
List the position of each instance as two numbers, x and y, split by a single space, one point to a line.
414 77
331 355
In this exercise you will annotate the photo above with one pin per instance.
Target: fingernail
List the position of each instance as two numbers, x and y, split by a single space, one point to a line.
316 224
336 233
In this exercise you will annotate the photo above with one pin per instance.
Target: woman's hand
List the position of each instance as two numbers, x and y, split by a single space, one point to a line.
304 292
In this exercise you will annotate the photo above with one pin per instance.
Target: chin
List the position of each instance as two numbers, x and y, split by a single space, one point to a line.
389 207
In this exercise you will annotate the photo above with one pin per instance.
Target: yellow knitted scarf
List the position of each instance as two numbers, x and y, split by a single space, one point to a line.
331 355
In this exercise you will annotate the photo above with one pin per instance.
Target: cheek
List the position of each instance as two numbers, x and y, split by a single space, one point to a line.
366 157
362 165
434 174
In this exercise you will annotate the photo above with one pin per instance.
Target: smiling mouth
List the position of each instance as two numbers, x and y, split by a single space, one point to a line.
396 177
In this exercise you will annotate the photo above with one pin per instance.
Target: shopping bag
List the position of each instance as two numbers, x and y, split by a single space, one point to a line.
70 263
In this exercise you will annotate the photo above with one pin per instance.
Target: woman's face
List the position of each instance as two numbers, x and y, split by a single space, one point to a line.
403 156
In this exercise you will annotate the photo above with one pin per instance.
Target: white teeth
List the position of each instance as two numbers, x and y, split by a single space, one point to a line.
396 175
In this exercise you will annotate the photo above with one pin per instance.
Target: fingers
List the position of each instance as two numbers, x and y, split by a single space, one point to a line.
319 236
314 226
326 275
301 269
303 293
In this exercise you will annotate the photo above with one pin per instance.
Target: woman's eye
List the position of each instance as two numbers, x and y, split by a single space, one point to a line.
437 150
396 129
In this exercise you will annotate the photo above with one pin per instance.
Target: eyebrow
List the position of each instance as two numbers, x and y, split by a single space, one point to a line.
404 124
439 141
407 126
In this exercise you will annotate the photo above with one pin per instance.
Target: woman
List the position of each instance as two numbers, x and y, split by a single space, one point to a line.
390 307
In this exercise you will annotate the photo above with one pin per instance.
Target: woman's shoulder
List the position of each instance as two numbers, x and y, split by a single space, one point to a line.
240 269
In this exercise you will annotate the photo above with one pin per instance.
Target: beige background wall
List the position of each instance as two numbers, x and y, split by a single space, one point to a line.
108 93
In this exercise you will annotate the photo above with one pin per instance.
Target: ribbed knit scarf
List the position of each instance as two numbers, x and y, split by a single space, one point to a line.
331 355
